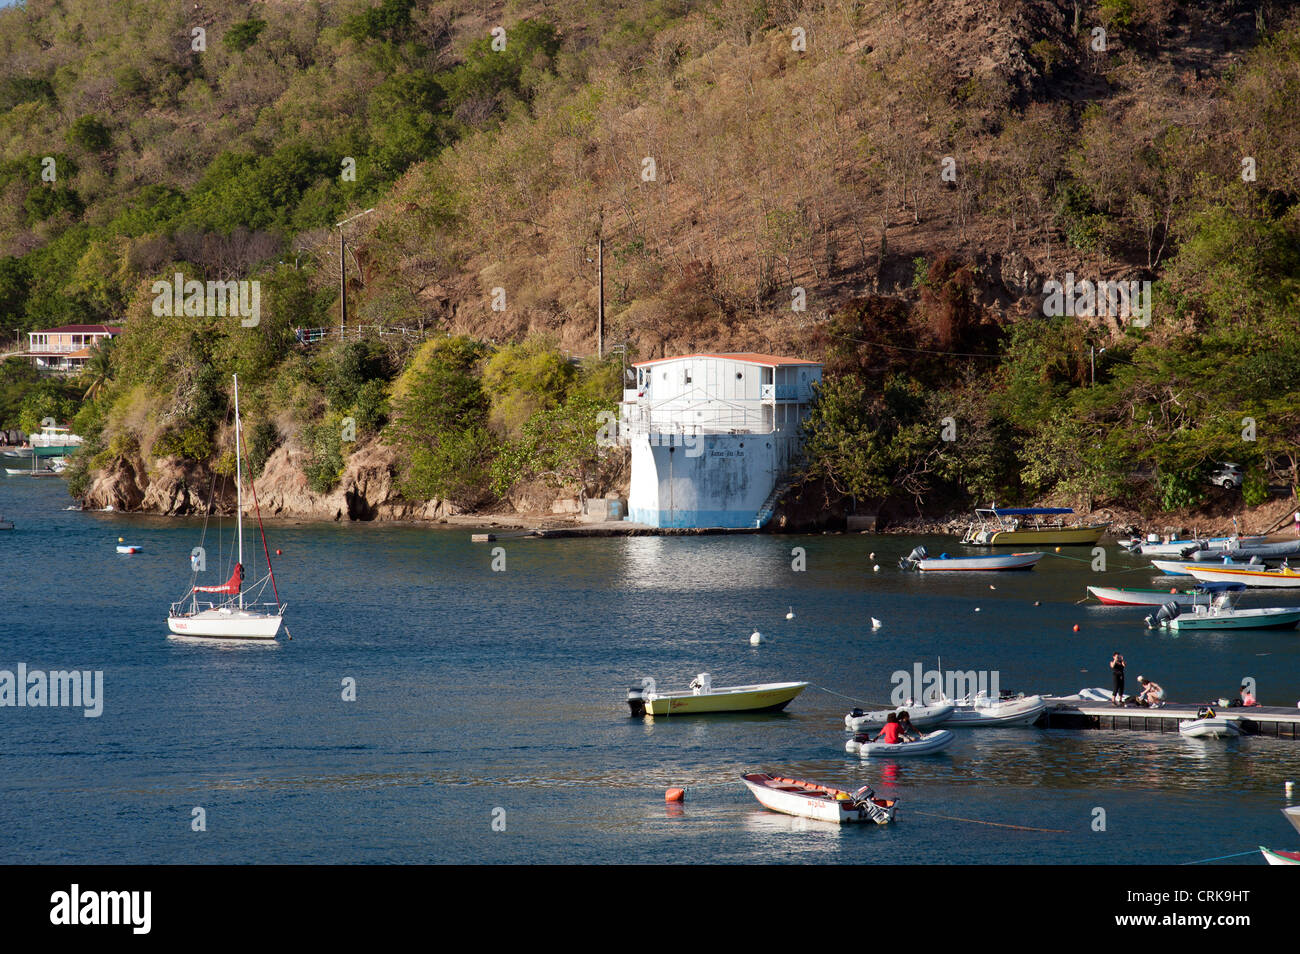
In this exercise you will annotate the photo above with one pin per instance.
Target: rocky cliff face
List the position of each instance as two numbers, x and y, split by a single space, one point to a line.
366 491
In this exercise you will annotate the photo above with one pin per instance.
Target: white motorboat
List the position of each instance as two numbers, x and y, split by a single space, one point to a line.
1249 575
792 796
1094 694
1130 596
1275 856
927 744
1176 567
919 559
983 710
1209 725
233 617
1292 814
1215 608
922 717
704 697
1154 547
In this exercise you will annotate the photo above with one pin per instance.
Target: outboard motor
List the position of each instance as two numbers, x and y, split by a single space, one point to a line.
857 714
703 683
1166 612
909 561
636 702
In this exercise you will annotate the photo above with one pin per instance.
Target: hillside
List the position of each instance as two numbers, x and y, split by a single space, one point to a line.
886 185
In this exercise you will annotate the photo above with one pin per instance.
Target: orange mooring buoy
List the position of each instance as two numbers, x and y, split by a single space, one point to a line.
278 552
1076 627
675 795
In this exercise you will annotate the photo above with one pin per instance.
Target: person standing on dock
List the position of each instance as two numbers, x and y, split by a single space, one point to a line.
1117 680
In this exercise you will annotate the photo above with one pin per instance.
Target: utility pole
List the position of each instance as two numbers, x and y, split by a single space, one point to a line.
343 275
1092 358
600 305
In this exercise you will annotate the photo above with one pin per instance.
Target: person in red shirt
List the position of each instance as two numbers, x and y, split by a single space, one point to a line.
1247 699
890 732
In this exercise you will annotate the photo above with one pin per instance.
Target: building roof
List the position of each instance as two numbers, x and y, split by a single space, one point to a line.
79 330
744 357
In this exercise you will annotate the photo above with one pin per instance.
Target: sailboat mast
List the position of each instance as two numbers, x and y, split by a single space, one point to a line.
239 489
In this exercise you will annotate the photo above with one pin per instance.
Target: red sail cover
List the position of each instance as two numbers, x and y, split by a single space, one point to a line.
231 586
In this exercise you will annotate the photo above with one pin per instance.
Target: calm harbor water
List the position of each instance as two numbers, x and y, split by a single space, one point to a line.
488 696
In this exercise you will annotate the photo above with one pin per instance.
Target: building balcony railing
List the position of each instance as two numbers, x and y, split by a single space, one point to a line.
59 348
785 392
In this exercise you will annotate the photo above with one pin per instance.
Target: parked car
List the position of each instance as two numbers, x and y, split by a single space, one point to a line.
1226 475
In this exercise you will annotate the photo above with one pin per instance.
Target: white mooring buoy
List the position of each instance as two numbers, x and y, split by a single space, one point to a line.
790 615
876 624
755 638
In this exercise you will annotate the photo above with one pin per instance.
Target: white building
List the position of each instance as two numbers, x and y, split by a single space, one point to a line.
712 436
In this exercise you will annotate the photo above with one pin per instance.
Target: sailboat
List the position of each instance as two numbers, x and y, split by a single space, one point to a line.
234 617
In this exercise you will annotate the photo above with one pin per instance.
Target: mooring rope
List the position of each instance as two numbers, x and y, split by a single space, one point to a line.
882 705
1221 857
1125 569
976 821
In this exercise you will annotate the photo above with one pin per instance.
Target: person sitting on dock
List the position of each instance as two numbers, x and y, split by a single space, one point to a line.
1152 694
905 727
890 731
1247 698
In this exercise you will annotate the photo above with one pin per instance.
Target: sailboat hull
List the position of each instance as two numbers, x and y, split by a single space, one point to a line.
226 624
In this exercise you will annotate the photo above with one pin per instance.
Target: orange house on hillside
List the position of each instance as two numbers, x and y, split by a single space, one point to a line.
66 349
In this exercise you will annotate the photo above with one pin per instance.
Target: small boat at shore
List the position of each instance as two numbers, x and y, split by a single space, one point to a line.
1215 607
922 717
1209 725
920 559
129 548
1020 526
792 796
928 744
983 710
704 698
1136 596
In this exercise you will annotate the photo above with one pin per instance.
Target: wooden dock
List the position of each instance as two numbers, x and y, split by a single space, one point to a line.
1273 721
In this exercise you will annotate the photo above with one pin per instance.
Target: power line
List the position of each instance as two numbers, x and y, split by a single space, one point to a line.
952 354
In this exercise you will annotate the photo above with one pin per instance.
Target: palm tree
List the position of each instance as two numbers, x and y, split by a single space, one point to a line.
98 369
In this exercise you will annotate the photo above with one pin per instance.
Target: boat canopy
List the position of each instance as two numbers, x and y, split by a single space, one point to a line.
1030 511
1217 587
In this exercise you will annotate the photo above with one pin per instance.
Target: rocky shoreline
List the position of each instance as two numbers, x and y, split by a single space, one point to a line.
368 491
